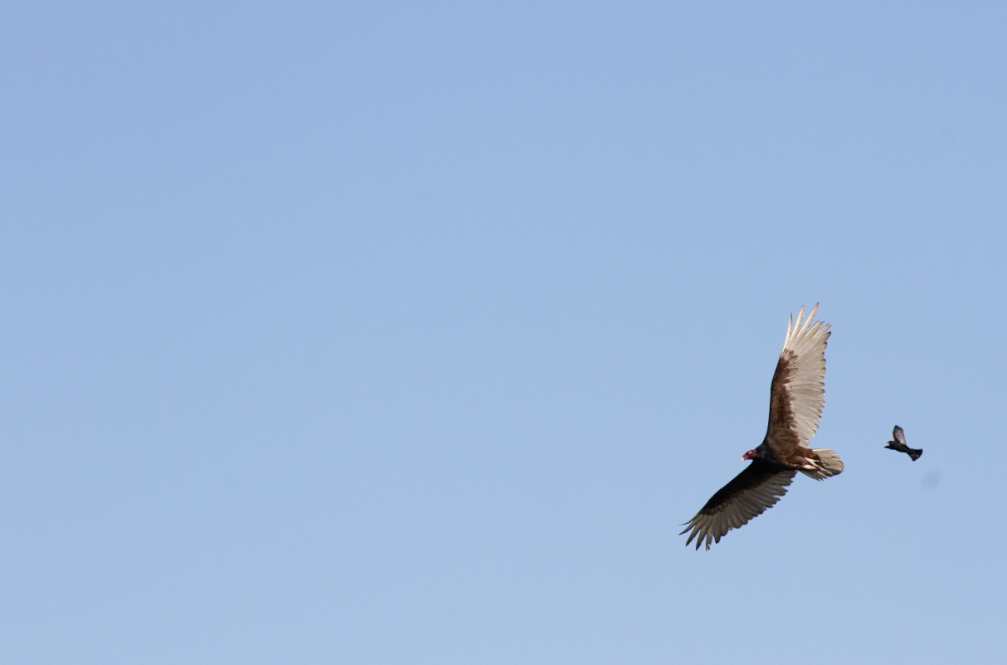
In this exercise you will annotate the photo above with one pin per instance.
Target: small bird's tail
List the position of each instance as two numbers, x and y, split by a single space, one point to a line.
830 465
915 453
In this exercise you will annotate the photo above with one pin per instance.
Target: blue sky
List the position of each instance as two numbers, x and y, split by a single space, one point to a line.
412 333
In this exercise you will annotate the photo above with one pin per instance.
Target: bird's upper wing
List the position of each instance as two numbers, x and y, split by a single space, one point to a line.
753 490
798 390
899 435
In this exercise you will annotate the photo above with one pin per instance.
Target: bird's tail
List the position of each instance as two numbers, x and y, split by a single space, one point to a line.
828 465
915 453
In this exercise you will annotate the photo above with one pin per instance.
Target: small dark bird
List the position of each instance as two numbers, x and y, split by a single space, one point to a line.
796 398
899 444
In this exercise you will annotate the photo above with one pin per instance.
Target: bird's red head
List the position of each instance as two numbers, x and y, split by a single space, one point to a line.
747 456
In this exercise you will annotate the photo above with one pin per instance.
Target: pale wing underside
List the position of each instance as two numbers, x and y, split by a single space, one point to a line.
805 380
899 435
748 495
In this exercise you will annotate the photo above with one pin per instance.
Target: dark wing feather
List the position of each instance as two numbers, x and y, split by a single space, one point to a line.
899 435
797 394
751 492
781 430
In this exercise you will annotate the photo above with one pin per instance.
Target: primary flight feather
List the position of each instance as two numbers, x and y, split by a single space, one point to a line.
796 398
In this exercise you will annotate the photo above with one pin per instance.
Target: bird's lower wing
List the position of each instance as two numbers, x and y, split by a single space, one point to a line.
751 492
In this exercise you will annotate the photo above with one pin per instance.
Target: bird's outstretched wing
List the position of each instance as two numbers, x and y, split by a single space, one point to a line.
797 394
899 435
751 492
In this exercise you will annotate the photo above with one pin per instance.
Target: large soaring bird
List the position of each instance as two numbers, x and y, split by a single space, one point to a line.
900 445
796 397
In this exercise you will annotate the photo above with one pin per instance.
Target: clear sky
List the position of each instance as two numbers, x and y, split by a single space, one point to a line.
413 332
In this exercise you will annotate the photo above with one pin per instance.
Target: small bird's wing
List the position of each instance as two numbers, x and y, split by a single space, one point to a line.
751 492
797 394
899 435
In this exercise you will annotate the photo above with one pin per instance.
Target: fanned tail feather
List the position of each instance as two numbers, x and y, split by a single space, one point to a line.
829 465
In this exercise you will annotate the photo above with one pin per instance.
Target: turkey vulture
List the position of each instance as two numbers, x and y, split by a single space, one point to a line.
796 397
899 444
